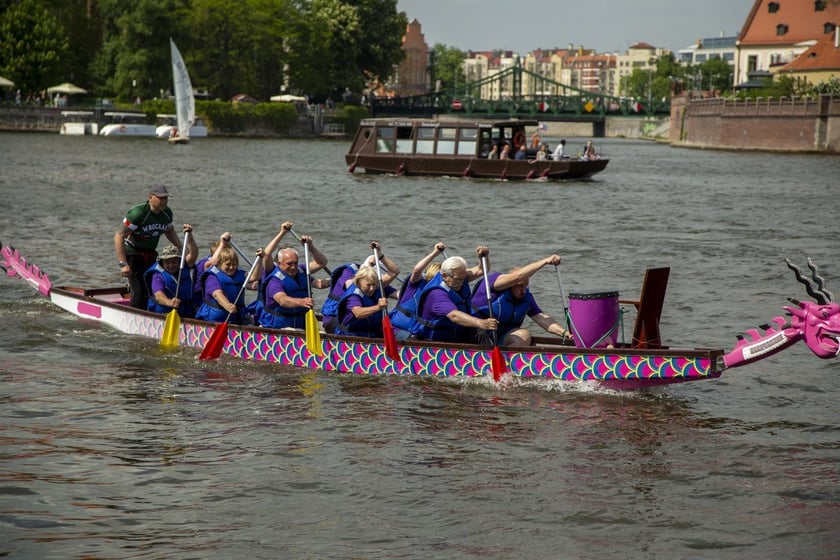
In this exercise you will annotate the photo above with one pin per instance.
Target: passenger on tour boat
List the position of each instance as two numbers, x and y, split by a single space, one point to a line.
494 152
341 278
162 280
361 306
136 241
589 151
521 152
284 290
512 301
560 150
536 141
505 152
222 288
443 307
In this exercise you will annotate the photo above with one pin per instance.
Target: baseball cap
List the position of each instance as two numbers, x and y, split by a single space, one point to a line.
159 191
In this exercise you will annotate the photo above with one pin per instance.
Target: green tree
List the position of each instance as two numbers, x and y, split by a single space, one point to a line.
341 46
134 60
652 85
34 46
448 67
82 22
716 74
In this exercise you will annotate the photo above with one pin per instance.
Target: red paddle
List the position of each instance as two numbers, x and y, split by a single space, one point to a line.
497 361
213 348
387 330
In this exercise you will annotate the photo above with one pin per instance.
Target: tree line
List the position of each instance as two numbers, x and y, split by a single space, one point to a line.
118 48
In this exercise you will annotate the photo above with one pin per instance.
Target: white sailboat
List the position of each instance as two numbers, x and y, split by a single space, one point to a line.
184 101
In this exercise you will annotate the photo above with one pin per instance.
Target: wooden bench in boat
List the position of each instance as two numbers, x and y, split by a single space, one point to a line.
649 308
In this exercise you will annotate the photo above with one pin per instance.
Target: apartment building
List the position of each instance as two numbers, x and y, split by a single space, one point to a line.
776 32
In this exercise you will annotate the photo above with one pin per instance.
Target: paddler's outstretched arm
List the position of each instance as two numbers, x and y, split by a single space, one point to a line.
268 252
517 275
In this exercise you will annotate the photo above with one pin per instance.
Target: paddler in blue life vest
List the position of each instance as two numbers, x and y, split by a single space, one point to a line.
162 280
222 289
341 278
512 302
361 306
443 307
284 290
402 316
136 241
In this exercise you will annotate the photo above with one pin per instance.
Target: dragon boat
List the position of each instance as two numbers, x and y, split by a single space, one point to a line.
644 362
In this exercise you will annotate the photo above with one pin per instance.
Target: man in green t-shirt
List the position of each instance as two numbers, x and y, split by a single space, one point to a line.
137 239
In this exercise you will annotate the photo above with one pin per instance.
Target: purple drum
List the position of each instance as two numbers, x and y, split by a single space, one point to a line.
594 318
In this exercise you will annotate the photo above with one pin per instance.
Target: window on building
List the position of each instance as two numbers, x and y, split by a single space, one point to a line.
729 57
773 7
781 29
829 27
752 63
819 5
700 58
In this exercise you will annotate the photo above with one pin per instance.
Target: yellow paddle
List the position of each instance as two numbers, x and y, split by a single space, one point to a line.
313 334
172 326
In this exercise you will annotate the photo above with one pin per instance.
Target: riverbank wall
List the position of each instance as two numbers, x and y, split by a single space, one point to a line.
50 119
805 124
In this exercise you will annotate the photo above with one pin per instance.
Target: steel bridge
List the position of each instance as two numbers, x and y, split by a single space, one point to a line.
501 96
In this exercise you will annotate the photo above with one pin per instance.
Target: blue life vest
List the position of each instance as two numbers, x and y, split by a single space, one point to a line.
370 327
273 315
402 316
330 307
210 309
506 310
185 290
441 328
198 288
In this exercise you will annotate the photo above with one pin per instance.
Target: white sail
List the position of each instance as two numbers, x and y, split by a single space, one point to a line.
184 99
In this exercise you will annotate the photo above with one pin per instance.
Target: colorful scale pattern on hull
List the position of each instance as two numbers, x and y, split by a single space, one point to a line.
369 358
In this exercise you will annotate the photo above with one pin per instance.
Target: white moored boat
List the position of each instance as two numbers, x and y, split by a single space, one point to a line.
78 123
127 124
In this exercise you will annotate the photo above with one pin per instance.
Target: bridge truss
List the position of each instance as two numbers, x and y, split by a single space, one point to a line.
501 95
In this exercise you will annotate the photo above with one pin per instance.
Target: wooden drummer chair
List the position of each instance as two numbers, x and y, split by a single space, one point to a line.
649 308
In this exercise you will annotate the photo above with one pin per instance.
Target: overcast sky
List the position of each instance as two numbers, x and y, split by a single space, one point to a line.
603 25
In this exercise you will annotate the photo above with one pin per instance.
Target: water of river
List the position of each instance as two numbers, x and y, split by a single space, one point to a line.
113 449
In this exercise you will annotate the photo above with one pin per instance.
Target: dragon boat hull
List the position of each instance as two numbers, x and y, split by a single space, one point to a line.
549 360
817 324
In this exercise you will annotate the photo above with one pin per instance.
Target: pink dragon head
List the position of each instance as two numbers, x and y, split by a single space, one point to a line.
817 323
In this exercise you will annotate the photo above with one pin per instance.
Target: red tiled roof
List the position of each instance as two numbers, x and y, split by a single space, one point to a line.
803 21
822 56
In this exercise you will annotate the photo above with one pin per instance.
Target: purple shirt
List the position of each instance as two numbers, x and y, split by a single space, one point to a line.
211 284
479 299
275 285
341 286
437 304
411 289
355 300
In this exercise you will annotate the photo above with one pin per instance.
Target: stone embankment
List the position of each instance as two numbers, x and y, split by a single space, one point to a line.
804 124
